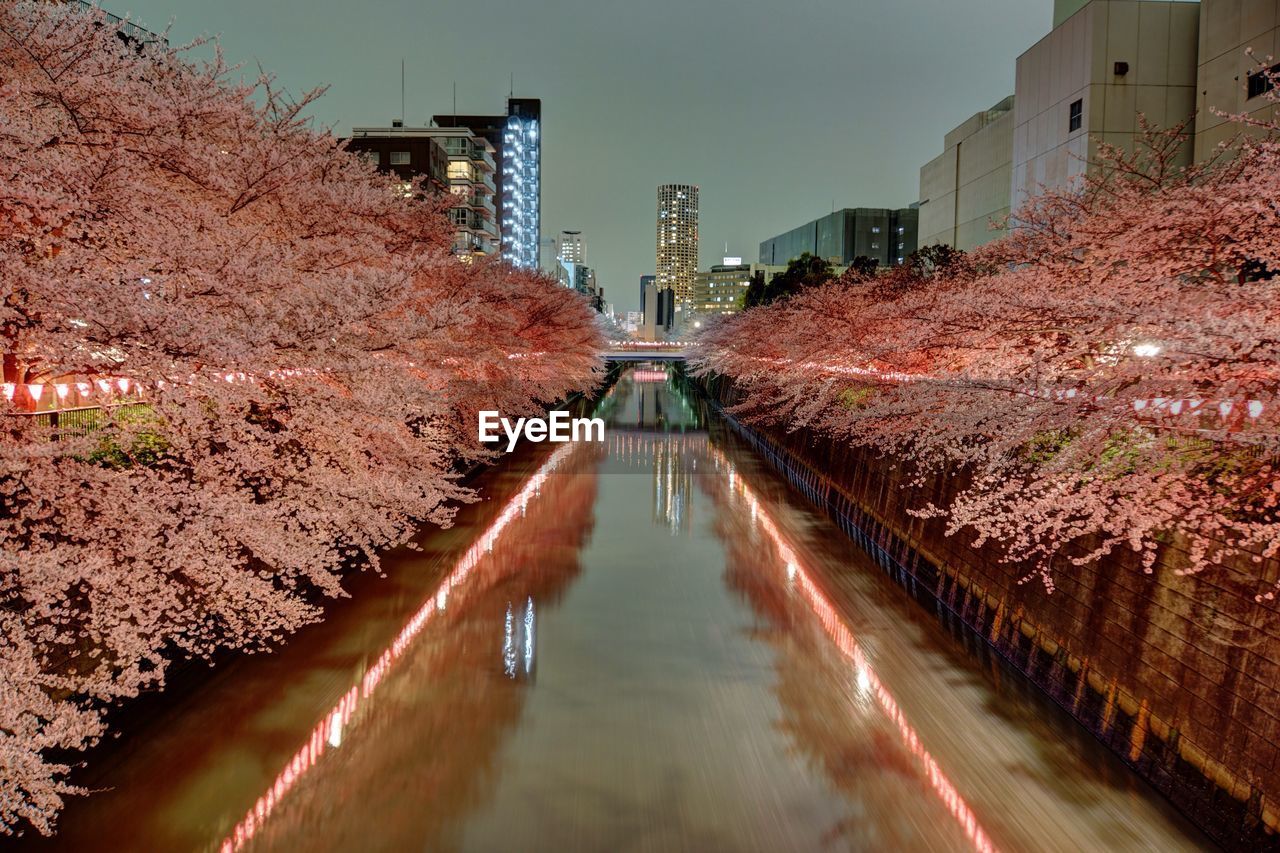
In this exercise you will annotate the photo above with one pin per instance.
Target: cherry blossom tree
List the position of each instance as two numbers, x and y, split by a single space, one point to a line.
303 356
1105 377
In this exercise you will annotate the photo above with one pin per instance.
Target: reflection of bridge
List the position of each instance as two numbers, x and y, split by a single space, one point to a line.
647 350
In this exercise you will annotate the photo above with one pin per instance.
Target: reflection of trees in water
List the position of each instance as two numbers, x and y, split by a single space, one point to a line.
829 719
427 751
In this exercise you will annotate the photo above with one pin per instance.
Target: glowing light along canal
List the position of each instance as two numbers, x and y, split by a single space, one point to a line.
328 733
840 634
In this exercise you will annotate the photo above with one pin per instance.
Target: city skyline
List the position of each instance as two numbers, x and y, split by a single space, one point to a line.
736 89
343 413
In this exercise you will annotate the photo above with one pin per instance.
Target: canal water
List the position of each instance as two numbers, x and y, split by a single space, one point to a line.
648 644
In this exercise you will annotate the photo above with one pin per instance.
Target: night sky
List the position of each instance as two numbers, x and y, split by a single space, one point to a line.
776 108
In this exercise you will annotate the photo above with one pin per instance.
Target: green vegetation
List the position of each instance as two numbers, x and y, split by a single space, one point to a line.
802 273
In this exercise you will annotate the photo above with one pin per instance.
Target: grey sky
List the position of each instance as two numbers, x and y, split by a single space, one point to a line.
775 108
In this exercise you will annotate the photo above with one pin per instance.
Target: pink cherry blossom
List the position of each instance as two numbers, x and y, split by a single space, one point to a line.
1105 377
164 225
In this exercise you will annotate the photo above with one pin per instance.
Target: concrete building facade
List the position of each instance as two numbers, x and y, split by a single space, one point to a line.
1104 63
658 305
677 239
964 192
720 290
1228 78
517 143
453 159
885 235
571 247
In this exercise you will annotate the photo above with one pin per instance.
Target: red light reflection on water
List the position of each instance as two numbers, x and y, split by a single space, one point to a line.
840 634
328 732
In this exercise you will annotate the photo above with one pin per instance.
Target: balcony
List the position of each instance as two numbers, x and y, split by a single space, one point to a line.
483 159
484 204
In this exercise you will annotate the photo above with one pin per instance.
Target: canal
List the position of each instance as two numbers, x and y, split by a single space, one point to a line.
646 644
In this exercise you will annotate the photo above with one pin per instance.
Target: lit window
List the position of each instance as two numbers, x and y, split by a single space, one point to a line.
875 229
1075 117
399 158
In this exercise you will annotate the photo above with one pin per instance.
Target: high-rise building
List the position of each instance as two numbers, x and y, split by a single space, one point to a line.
677 243
658 304
645 281
570 247
965 190
517 140
451 158
522 179
886 236
1105 63
571 268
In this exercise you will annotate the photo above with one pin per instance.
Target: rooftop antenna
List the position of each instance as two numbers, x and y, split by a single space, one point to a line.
512 93
402 91
455 101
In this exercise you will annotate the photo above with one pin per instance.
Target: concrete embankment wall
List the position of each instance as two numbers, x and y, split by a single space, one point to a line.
1178 675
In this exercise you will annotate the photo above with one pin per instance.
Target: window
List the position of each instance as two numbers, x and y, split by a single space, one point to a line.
1261 81
399 158
371 157
875 229
1075 118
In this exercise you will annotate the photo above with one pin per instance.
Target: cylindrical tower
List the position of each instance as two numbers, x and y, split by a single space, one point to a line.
677 244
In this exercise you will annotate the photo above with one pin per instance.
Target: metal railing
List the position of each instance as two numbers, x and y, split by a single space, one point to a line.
78 422
128 29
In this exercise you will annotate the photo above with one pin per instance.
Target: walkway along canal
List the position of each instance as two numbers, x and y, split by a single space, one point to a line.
647 644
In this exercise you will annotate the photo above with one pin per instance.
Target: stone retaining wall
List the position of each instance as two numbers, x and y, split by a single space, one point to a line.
1178 675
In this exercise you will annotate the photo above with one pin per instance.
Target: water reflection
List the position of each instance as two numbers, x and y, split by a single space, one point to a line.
517 641
643 644
438 706
742 502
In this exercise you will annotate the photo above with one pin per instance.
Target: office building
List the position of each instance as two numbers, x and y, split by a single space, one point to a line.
964 192
721 289
658 305
570 247
677 239
1104 62
884 235
1228 78
517 141
452 159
